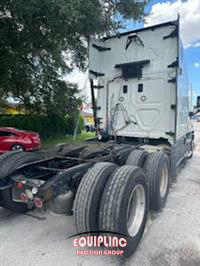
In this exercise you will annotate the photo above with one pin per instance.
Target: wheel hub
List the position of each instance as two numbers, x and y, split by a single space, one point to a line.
164 181
17 148
136 210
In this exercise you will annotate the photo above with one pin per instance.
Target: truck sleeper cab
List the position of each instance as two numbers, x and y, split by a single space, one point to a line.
142 88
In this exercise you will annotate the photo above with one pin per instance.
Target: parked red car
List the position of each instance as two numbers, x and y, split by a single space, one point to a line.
12 139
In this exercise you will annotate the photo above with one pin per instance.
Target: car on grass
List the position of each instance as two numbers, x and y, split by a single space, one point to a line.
12 139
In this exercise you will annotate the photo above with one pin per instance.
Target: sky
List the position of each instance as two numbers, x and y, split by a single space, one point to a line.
163 11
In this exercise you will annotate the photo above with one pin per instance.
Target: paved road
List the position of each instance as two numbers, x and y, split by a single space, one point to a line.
172 236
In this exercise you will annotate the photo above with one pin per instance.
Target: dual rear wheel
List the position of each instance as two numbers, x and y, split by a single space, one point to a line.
117 199
113 199
156 166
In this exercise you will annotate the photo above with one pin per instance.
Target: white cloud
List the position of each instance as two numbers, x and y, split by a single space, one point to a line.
189 12
197 44
81 79
197 64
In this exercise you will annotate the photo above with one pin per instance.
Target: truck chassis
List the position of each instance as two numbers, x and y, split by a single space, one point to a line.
85 172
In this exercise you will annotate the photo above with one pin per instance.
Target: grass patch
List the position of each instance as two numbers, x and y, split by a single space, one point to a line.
51 142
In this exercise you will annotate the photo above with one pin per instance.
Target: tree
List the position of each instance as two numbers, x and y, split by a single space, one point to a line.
41 40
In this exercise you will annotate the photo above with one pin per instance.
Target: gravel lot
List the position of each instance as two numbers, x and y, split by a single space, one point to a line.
172 236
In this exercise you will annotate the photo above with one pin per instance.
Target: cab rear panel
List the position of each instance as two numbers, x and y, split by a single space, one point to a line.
143 85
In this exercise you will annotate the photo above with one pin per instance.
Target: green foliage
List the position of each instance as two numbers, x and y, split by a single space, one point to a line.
81 124
51 142
46 126
41 40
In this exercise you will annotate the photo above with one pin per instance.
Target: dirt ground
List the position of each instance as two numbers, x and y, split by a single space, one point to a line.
172 237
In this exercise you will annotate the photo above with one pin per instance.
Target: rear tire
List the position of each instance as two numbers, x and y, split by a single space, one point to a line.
157 168
137 158
13 160
124 206
88 196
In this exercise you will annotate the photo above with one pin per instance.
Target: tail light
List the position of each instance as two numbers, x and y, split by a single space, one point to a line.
35 137
38 202
20 182
19 185
24 197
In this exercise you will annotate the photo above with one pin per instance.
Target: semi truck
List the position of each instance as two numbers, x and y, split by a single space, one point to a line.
139 90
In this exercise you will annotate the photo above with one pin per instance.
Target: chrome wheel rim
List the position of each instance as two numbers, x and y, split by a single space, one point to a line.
164 181
136 210
17 148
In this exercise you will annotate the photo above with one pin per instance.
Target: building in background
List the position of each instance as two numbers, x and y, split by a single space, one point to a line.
7 108
88 118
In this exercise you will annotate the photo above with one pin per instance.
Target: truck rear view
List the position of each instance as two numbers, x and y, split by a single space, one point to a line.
143 91
142 84
141 115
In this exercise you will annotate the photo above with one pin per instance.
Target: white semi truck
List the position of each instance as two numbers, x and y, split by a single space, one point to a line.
144 134
143 89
